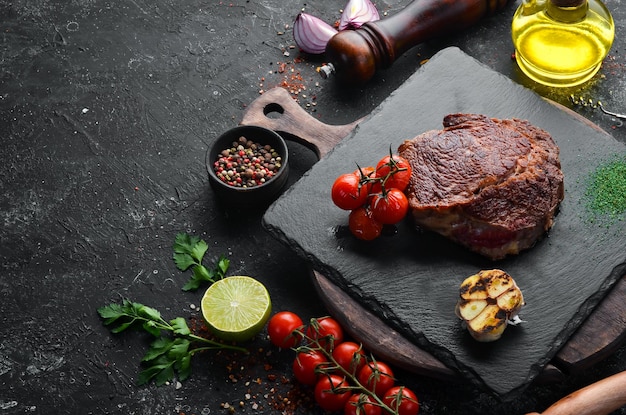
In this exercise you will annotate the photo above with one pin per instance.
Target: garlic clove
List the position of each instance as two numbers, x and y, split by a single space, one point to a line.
511 301
489 325
468 310
473 288
312 34
497 282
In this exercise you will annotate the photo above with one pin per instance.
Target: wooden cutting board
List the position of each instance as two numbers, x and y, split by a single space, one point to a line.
407 283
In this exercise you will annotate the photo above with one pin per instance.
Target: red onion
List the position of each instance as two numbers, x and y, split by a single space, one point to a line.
311 33
356 13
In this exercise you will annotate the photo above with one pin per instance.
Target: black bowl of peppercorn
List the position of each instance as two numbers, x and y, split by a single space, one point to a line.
247 166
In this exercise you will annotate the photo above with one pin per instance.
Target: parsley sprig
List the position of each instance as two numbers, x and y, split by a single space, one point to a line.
189 251
174 345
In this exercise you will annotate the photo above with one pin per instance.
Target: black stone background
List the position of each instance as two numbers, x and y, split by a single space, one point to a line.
106 112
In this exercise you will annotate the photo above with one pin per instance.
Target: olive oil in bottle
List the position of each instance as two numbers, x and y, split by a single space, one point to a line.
561 43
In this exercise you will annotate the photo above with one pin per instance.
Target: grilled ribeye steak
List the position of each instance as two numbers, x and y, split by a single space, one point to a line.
490 185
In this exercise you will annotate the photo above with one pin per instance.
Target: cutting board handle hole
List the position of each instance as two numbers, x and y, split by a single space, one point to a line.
273 110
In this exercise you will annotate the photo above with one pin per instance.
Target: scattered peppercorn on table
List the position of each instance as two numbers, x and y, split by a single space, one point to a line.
107 111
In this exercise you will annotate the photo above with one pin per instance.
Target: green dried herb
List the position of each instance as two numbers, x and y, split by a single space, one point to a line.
606 191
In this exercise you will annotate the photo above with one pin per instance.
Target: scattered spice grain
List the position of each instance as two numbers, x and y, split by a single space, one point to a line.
272 393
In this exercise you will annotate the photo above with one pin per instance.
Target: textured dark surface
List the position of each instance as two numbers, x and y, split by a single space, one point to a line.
562 277
106 112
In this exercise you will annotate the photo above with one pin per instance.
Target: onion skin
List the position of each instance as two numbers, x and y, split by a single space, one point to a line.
312 34
356 13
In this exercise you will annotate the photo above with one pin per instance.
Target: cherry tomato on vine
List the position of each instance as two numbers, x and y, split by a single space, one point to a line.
349 356
322 329
283 329
331 392
403 400
397 168
361 404
389 208
305 365
376 377
369 172
347 192
363 225
365 172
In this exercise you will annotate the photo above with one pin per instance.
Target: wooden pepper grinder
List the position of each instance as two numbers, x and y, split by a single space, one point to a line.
355 55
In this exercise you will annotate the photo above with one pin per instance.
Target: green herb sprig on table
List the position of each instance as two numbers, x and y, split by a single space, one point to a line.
189 252
170 353
174 345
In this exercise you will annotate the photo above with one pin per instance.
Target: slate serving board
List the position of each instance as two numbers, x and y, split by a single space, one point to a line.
410 279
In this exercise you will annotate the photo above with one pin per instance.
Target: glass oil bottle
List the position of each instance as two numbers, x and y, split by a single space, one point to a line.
561 43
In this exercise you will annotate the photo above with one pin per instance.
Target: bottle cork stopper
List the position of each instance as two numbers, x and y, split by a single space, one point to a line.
568 3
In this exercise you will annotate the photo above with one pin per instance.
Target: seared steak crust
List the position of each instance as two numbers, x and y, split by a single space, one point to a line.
491 185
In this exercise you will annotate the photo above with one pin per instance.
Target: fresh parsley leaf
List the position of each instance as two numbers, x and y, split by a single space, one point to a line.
192 285
162 371
184 243
168 355
185 252
110 313
183 365
202 274
149 313
122 315
152 328
222 266
158 348
123 326
198 250
183 261
189 252
180 348
165 375
179 325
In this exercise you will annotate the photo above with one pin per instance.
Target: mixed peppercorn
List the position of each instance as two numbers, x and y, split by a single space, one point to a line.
247 163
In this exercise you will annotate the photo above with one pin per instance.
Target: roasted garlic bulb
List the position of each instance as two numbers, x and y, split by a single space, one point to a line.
488 302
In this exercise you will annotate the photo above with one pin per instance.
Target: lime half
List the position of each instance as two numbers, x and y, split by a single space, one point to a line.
236 308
